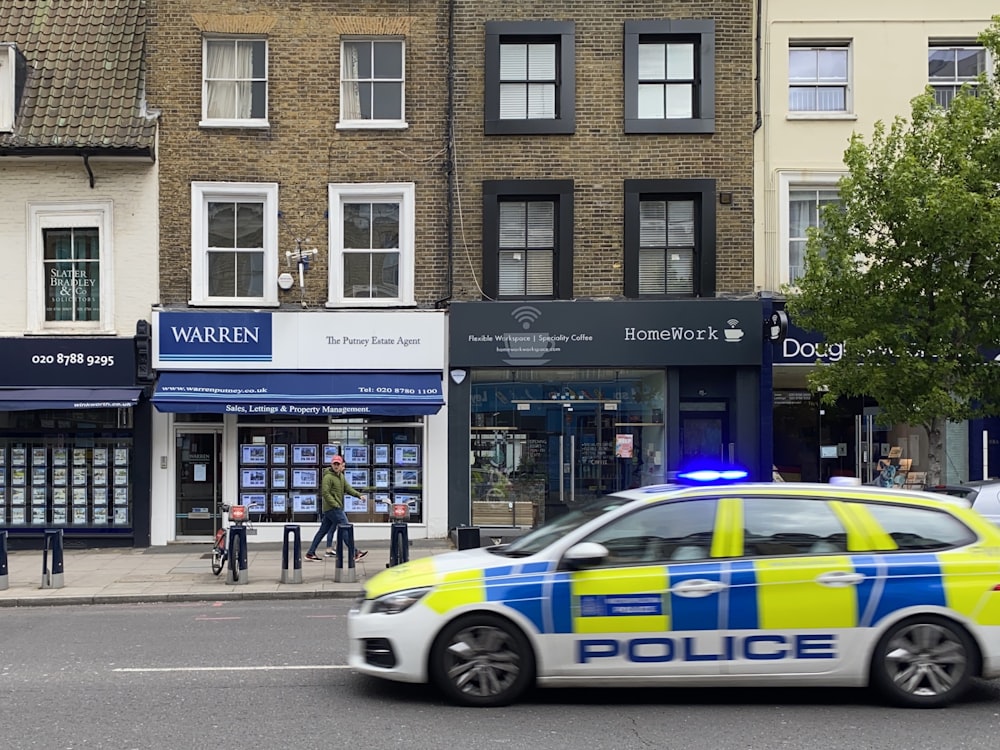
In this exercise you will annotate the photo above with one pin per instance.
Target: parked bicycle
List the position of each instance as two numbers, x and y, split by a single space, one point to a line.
221 554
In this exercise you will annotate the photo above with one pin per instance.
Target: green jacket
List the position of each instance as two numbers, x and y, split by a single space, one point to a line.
334 488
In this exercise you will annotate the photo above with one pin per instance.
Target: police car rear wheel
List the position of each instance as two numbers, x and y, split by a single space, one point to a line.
482 660
923 662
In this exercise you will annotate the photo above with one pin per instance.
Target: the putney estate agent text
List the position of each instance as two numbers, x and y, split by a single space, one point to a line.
371 341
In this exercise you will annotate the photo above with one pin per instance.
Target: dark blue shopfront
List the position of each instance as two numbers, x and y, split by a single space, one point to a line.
74 442
554 403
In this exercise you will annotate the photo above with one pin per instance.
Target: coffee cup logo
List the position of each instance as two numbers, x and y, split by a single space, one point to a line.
733 332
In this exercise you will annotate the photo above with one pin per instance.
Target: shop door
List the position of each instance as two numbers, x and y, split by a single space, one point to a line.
704 433
582 455
198 462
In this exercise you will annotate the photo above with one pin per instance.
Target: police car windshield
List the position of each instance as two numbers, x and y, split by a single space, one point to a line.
538 539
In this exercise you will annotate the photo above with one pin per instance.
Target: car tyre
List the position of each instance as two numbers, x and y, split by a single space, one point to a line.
482 660
923 662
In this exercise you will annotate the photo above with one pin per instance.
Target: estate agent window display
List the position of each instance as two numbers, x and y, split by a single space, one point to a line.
66 469
281 467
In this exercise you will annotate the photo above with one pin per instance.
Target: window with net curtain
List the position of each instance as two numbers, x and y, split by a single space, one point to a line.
817 79
371 249
667 246
235 248
72 274
528 80
666 79
235 79
527 248
371 73
949 67
805 210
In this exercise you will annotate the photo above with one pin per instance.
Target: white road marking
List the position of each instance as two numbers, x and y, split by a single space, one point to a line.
229 669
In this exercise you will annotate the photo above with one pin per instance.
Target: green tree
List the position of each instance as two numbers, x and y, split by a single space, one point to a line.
906 269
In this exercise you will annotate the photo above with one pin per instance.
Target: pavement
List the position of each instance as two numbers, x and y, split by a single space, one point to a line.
183 573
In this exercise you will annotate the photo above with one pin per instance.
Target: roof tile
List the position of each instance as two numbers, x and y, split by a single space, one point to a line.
84 71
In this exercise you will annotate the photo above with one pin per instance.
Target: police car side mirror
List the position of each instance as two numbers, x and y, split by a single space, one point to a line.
585 553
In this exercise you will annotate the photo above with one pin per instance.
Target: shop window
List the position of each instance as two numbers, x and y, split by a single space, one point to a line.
70 257
669 238
281 469
79 483
528 239
234 243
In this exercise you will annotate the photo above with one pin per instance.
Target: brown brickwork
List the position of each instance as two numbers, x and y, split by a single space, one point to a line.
599 156
302 150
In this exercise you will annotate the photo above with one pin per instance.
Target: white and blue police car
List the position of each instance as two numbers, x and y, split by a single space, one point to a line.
755 584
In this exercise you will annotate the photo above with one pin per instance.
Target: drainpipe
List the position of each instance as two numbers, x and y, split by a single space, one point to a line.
86 164
450 152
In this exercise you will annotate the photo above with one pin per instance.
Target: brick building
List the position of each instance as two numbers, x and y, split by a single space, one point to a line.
303 235
604 328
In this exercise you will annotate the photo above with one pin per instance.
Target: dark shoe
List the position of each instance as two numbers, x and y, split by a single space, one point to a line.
329 553
359 554
311 556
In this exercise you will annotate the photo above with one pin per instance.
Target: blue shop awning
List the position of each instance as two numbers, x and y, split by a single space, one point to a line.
27 399
300 393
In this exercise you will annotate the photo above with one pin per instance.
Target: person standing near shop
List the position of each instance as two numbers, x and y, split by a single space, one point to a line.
333 489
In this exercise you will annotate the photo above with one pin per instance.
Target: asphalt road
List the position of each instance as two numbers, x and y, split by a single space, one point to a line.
262 674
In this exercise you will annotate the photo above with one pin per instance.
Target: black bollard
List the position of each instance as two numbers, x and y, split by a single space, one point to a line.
4 571
53 541
237 572
399 544
345 538
293 573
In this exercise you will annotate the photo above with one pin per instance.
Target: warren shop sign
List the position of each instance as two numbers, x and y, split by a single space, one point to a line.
606 334
375 340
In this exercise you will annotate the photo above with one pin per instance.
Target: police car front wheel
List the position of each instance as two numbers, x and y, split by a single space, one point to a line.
925 661
482 660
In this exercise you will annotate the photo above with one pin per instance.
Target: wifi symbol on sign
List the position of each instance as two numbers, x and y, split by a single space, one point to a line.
526 315
733 322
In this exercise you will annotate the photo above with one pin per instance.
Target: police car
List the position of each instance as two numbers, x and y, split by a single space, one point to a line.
736 585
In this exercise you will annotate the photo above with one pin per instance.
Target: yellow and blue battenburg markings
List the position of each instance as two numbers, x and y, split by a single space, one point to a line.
757 594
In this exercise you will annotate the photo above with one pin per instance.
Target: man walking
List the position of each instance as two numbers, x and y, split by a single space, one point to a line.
334 488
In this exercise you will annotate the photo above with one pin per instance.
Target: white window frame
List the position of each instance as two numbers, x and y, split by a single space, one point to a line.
814 114
787 182
201 194
90 214
7 84
341 193
345 123
207 122
971 44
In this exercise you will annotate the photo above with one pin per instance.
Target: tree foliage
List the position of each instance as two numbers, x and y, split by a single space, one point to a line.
906 269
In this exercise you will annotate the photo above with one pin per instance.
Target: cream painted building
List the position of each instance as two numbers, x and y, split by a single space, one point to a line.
825 72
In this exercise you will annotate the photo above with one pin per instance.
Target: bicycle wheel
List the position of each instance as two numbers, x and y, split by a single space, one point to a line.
219 552
218 560
235 555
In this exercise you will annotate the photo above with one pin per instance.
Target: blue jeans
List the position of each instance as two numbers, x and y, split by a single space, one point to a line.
329 523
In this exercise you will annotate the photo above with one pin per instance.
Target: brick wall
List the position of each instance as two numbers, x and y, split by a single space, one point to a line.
302 150
599 156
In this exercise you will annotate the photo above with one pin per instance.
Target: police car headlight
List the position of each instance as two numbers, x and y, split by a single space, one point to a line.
398 601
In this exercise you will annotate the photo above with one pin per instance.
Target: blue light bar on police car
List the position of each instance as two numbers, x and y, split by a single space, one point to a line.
707 476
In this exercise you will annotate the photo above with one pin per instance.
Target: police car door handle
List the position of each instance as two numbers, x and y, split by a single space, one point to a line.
840 578
697 587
